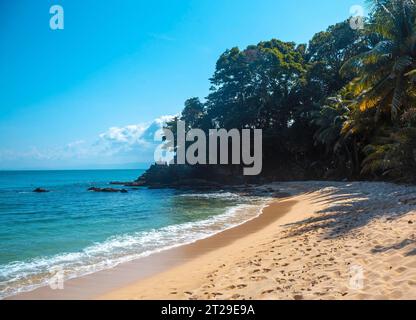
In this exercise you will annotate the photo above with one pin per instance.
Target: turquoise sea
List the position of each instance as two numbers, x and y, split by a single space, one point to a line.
81 232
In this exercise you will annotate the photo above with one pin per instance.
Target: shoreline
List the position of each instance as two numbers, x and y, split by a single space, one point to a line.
126 273
328 240
207 255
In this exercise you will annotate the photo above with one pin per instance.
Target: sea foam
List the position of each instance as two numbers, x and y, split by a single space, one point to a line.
23 276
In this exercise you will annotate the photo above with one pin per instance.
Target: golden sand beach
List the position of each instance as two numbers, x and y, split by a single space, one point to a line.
341 242
325 241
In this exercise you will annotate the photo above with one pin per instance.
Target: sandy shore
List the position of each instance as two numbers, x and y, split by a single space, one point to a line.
330 241
326 241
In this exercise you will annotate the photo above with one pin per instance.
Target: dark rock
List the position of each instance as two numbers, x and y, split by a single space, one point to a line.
109 190
40 190
127 184
134 184
191 177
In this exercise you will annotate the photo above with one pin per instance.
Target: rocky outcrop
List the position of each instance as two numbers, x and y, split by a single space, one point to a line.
193 177
109 190
127 184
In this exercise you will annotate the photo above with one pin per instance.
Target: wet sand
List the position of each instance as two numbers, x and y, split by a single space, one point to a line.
99 284
354 241
205 257
329 240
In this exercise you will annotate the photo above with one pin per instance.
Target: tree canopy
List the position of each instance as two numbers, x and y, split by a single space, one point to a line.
341 106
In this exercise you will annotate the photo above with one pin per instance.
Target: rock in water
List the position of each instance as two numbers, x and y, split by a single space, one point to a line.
40 190
111 190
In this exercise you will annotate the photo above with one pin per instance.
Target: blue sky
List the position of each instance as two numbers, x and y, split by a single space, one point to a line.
85 96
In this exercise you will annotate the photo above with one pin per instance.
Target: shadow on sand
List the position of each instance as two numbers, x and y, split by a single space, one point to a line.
354 205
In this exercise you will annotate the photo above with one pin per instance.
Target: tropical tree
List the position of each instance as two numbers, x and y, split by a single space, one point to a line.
192 113
342 106
382 109
327 52
392 156
386 73
256 87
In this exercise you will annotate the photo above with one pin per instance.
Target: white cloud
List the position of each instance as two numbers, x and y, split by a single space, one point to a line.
139 137
130 134
129 144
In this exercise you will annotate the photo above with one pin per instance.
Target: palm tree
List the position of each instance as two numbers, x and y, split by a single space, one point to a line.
329 120
383 113
392 155
386 74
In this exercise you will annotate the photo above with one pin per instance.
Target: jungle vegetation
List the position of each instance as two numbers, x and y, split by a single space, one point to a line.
342 106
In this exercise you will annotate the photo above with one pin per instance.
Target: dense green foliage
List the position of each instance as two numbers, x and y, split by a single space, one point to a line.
342 106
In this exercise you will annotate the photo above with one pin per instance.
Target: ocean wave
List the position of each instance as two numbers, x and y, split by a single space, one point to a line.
23 276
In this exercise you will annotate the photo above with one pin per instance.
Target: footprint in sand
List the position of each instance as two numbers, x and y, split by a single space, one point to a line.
258 278
267 291
401 269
